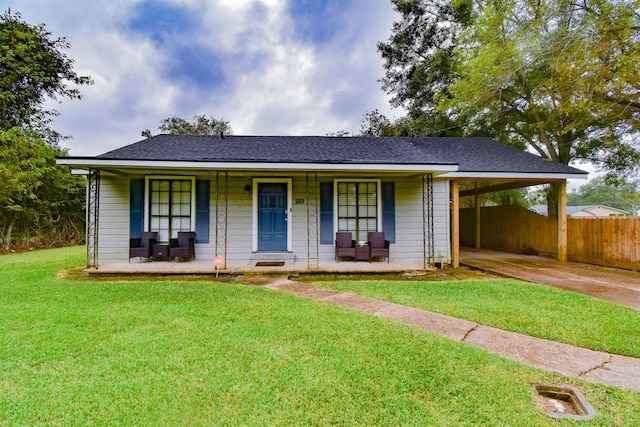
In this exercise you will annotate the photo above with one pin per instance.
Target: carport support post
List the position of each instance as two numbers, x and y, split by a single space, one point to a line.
455 224
562 221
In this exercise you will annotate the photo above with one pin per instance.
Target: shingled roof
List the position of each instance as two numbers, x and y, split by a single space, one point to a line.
469 154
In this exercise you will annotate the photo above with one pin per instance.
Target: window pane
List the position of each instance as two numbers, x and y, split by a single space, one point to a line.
357 208
170 207
175 227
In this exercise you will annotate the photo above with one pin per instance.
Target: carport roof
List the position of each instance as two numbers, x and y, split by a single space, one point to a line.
453 155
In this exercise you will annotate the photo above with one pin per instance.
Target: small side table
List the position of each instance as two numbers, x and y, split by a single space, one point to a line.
160 252
362 253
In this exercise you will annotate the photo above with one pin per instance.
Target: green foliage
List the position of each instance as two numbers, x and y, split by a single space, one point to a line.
625 196
556 76
39 200
420 63
199 125
559 77
374 123
422 124
101 353
33 68
515 197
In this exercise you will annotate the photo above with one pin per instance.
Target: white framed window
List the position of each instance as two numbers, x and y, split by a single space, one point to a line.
170 205
358 206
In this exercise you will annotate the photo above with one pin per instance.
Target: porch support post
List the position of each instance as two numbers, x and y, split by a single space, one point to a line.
222 197
93 212
478 218
427 221
562 221
312 221
455 224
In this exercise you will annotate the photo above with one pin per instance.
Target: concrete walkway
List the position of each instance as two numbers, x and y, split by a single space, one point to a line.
616 285
561 358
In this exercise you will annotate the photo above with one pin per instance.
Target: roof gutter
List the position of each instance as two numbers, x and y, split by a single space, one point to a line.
514 175
96 163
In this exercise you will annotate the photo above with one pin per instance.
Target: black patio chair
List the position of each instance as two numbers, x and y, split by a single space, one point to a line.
345 245
378 246
183 246
141 246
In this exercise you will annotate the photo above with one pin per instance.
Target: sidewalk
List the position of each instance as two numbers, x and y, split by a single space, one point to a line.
561 358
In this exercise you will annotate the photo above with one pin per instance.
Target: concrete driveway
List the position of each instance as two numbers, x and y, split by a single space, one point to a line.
619 286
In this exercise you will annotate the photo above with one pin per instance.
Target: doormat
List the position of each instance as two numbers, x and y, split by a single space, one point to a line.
270 264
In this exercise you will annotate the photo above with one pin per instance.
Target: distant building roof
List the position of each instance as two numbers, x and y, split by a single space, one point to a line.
587 210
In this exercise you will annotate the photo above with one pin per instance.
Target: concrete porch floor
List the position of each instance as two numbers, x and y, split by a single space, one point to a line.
199 267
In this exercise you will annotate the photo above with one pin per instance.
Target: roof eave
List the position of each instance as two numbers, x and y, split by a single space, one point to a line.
96 163
514 175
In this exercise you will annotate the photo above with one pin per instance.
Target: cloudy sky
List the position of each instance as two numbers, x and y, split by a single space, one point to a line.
269 67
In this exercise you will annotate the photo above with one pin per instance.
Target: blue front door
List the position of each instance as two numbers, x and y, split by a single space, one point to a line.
272 217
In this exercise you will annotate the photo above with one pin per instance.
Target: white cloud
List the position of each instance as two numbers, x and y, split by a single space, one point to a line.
273 82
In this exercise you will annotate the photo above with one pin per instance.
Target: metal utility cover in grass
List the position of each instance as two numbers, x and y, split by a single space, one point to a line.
563 401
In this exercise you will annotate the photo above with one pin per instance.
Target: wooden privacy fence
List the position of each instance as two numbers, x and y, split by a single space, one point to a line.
605 241
611 242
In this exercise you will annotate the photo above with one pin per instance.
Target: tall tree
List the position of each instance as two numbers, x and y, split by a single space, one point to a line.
199 125
560 76
33 68
38 198
420 61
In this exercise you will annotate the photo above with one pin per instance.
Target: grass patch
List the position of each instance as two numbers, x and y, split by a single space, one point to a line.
527 308
207 352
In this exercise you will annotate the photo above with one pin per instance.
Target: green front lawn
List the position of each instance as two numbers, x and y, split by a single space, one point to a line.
171 352
527 308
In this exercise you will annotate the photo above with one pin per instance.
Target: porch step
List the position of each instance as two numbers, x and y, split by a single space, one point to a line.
287 257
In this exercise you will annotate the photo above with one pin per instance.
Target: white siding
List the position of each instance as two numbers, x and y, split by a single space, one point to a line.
409 243
114 219
239 219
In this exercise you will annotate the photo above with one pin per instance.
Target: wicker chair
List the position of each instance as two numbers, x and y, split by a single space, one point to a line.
378 246
183 246
141 246
345 245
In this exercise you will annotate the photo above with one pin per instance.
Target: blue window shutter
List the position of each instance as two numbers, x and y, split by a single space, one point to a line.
202 211
389 211
136 207
326 213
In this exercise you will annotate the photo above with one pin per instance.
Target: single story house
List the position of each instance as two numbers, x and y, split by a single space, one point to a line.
586 211
258 197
